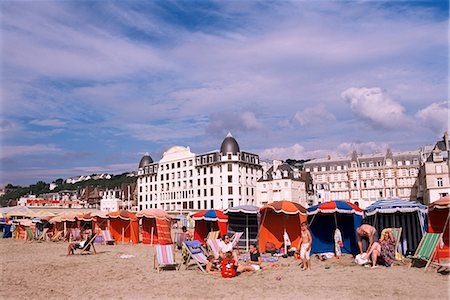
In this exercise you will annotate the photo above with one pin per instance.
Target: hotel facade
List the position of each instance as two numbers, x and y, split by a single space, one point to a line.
183 180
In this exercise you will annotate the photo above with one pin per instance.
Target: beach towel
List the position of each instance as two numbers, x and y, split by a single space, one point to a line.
338 243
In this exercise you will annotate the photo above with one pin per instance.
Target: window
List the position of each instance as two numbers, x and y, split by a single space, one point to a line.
230 167
230 178
440 182
204 171
212 203
229 156
230 190
173 165
211 180
210 170
438 169
178 164
205 204
212 192
204 193
204 181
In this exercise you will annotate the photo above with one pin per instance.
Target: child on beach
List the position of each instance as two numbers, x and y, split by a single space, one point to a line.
210 266
305 246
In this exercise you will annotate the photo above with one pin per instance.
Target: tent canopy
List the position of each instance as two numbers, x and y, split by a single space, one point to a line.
389 206
154 213
324 218
244 218
438 222
277 218
442 203
409 215
209 220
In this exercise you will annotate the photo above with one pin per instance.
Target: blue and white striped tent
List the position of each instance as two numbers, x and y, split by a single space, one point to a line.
244 218
411 216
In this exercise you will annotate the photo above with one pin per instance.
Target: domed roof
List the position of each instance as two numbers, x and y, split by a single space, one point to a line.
145 161
229 144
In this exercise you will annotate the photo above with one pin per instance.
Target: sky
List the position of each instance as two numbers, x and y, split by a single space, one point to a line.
90 86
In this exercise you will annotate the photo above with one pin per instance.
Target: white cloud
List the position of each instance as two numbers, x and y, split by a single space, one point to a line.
221 123
314 115
362 147
24 150
374 106
249 121
435 116
49 123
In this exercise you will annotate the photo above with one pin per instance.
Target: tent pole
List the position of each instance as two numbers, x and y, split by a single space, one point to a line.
446 222
151 236
246 232
123 233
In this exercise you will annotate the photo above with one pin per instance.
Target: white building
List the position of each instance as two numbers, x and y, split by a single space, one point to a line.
366 178
111 200
183 180
280 182
434 174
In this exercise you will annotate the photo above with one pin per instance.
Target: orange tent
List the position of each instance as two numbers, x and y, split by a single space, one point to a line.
155 226
279 217
438 222
100 221
124 227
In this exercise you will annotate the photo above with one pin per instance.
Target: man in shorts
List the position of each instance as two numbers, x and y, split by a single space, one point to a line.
367 235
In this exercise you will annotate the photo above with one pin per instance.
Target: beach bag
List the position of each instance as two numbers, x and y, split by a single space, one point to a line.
361 259
228 268
270 247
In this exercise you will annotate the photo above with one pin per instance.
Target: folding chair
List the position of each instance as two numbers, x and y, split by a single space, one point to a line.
165 255
57 237
397 233
194 248
427 248
235 238
43 235
88 245
213 235
107 238
213 246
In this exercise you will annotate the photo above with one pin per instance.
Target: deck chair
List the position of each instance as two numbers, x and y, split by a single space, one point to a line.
107 238
165 255
43 235
57 237
397 233
194 248
29 234
427 248
213 247
89 247
214 235
235 238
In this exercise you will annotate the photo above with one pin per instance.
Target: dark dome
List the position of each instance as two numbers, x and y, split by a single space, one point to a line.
229 144
145 161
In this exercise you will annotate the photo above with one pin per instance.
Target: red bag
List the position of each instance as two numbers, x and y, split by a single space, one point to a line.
228 268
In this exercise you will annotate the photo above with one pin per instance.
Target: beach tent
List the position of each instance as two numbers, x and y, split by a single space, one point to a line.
244 218
411 216
209 220
438 222
156 225
124 226
278 218
323 220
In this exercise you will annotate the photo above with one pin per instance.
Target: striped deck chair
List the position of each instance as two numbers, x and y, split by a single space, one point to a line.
30 235
194 248
397 233
107 238
213 247
213 235
89 247
165 255
235 238
427 248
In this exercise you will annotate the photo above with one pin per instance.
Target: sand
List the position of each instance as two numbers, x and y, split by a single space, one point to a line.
41 270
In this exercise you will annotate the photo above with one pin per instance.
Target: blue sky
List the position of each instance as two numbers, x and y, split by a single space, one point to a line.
88 87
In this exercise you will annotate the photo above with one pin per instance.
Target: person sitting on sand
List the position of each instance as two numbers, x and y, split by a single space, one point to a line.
211 267
228 266
225 246
367 235
383 251
305 246
254 263
73 246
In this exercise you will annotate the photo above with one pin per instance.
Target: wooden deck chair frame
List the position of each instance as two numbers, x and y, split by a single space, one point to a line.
433 253
43 234
235 238
199 265
211 247
213 235
57 237
29 237
157 265
90 245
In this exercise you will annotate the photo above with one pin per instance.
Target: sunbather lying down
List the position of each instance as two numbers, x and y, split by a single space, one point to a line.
73 246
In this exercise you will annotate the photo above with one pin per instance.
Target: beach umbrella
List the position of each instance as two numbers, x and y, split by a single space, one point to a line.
210 215
334 207
288 209
246 211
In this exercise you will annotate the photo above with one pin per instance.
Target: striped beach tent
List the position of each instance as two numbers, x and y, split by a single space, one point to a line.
411 216
244 218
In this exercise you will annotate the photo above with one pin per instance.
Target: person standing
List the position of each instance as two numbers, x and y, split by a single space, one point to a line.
367 235
305 246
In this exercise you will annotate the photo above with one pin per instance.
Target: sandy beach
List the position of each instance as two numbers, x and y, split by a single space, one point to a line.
43 271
